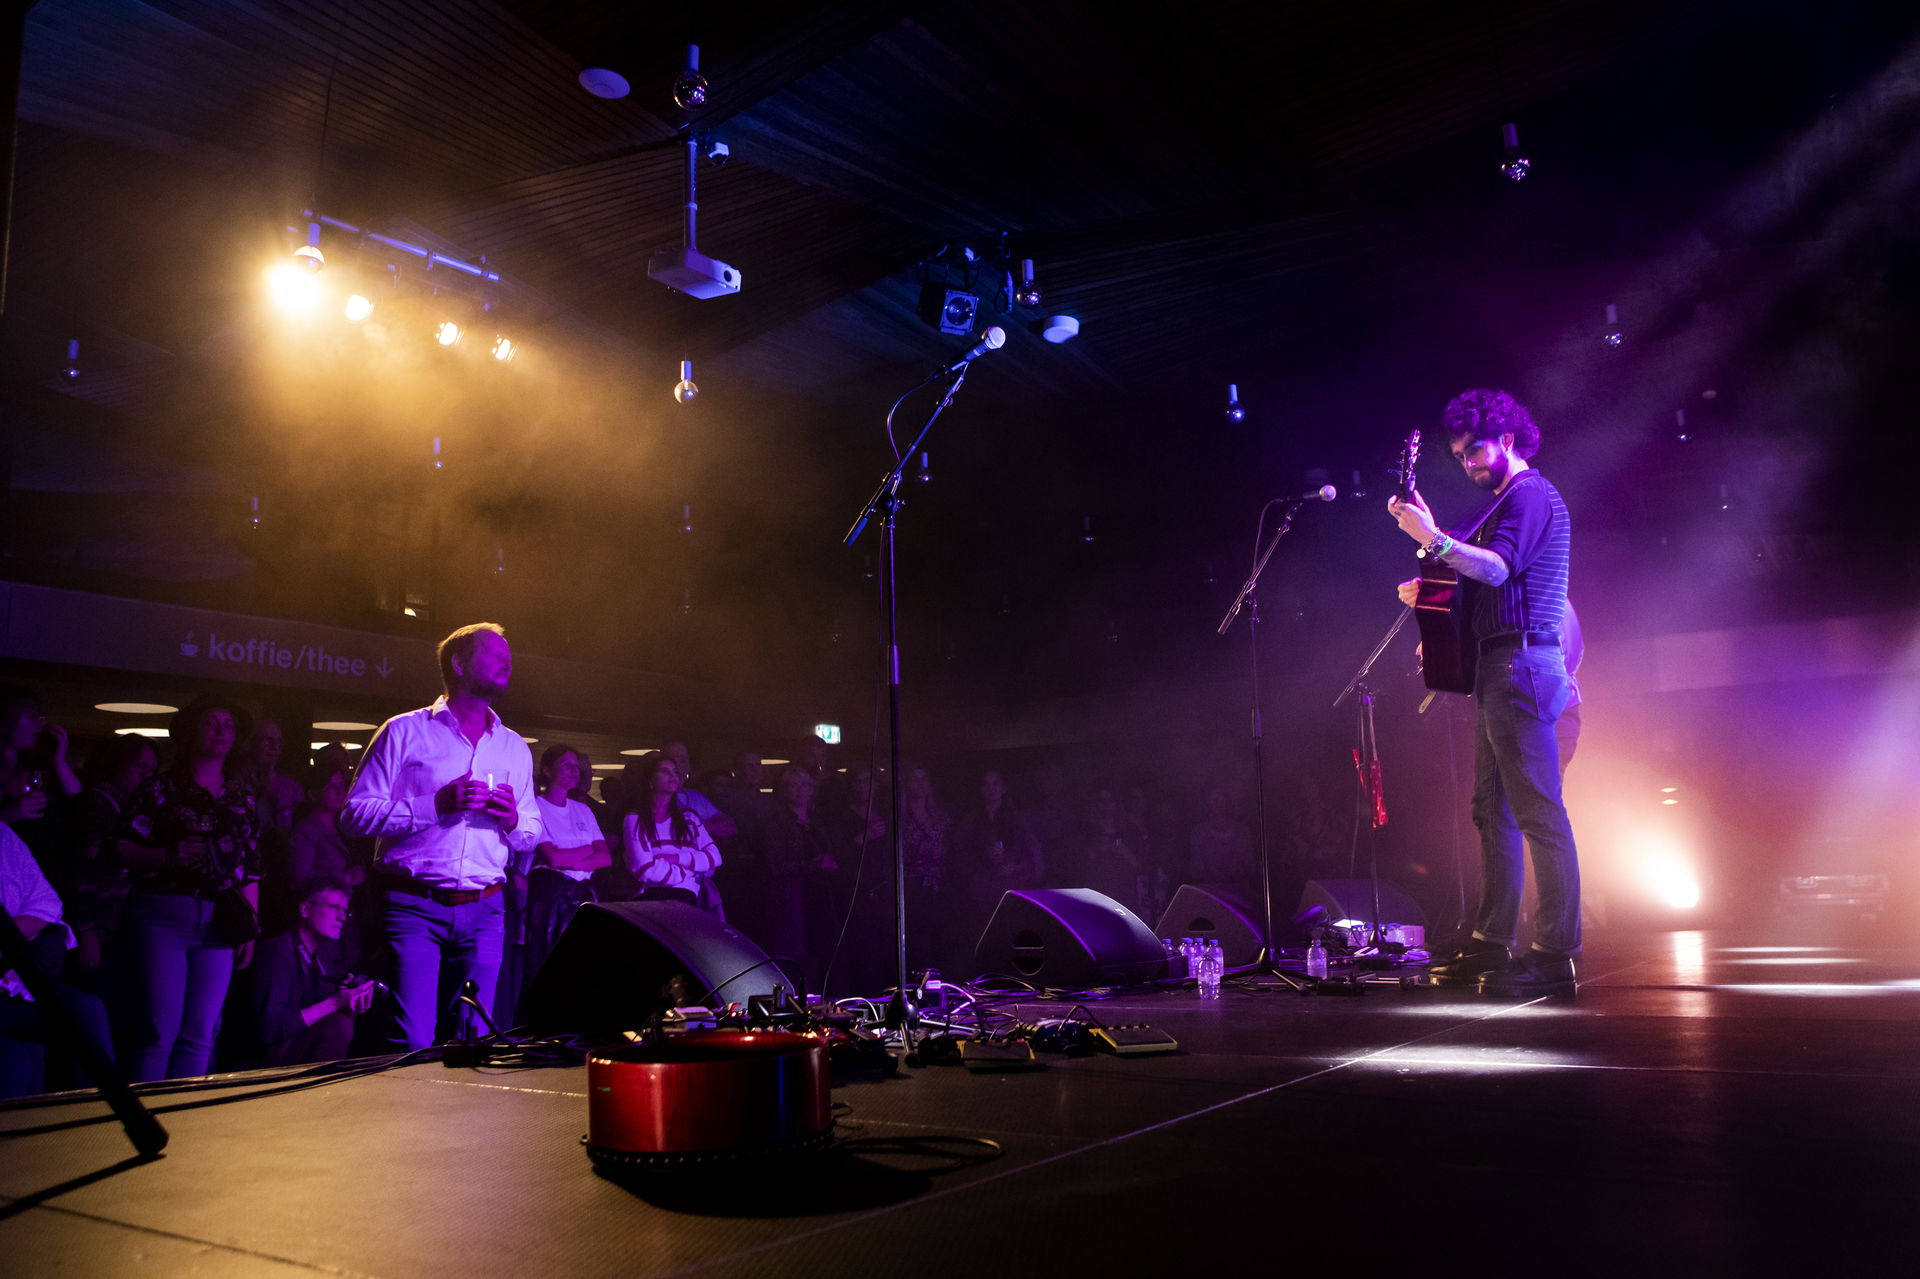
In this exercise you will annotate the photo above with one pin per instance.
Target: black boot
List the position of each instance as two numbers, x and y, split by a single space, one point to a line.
1532 975
1468 963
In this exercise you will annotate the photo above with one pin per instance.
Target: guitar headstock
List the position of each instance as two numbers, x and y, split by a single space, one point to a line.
1404 480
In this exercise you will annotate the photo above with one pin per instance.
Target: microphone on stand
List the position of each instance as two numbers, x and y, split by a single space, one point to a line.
1325 493
992 339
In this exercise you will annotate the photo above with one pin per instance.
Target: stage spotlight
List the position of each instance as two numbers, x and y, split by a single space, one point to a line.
358 307
447 334
1235 414
690 87
684 390
309 258
504 349
294 289
1514 164
1676 886
949 310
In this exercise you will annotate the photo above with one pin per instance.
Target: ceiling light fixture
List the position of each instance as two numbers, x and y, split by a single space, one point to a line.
684 390
1514 164
690 87
1028 293
135 708
602 82
1235 413
1060 328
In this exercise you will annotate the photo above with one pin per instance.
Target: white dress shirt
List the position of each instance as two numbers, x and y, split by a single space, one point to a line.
409 760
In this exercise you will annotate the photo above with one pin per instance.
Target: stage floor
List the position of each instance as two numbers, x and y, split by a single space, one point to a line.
1707 1106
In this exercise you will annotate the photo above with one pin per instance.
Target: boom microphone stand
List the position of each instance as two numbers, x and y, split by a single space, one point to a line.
1251 602
886 503
1367 762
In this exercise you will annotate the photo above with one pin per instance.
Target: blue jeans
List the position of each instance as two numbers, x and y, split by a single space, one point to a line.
1519 694
178 974
435 949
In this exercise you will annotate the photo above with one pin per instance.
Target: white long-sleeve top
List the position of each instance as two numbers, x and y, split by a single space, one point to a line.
664 863
24 890
392 799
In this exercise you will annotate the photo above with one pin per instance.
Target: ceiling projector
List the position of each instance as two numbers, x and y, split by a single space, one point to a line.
693 273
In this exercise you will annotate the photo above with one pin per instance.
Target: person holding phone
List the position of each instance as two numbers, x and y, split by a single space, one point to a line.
35 780
445 792
306 998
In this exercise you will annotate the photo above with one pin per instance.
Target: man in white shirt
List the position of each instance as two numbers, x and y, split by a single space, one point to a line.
27 897
443 791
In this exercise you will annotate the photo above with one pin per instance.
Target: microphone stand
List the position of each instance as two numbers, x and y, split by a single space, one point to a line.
1367 760
1251 602
886 503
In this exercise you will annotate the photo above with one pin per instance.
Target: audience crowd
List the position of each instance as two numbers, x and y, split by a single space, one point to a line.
207 903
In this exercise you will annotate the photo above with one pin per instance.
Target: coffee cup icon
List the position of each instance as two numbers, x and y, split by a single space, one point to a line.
188 648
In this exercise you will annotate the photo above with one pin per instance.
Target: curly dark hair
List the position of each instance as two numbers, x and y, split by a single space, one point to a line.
1488 415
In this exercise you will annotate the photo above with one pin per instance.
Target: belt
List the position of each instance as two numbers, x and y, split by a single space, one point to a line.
1520 639
443 896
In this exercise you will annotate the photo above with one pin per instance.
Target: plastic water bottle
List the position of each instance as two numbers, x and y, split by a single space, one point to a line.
1316 957
1216 961
1189 952
1173 968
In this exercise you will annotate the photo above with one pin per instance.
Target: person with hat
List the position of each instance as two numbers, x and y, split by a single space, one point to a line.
190 840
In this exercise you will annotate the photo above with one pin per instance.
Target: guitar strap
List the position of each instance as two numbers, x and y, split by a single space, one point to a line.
1466 531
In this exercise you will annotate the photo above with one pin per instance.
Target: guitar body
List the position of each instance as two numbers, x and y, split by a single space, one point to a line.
1444 661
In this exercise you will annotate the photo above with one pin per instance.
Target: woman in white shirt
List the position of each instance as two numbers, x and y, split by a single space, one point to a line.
668 848
569 850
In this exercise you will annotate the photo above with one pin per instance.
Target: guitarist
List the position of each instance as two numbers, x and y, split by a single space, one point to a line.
1514 594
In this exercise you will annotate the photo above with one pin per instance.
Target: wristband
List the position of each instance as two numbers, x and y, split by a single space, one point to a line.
1439 546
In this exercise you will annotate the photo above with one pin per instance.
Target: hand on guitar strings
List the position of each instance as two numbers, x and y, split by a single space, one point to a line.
1409 591
1413 517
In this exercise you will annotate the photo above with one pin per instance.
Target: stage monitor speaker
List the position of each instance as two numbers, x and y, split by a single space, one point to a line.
1353 899
619 963
1211 910
1069 938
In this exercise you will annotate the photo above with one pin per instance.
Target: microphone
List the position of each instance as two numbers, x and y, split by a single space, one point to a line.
992 339
1325 493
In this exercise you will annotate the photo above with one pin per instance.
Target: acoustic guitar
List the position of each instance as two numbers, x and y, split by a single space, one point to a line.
1444 661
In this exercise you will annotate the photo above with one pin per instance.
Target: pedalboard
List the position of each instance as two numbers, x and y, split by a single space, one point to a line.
1134 1041
982 1055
